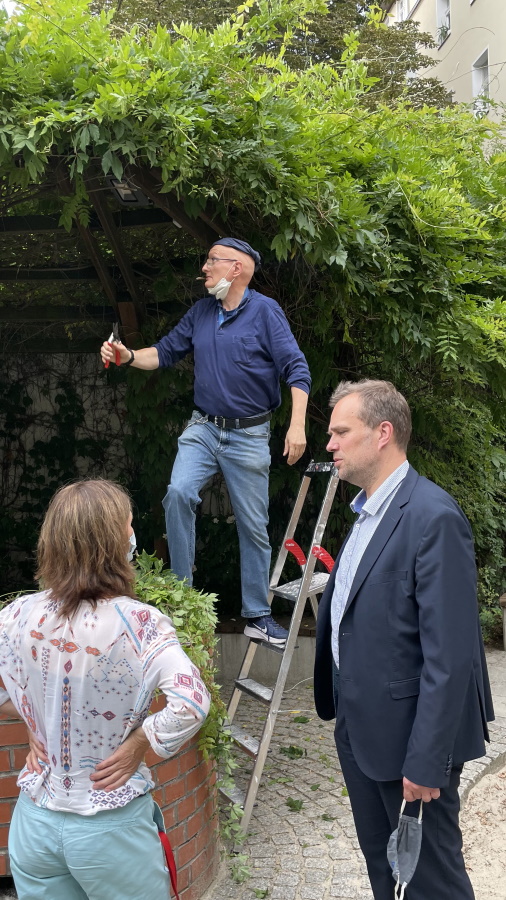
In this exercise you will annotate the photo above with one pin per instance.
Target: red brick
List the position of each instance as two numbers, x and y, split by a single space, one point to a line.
187 852
189 759
194 824
172 792
177 837
199 865
195 778
207 836
12 733
5 762
169 816
18 757
201 795
4 835
158 797
185 808
158 703
183 879
8 786
3 864
210 809
167 771
151 758
5 811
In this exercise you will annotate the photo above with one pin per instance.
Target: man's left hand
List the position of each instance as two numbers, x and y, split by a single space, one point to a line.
116 770
295 443
414 791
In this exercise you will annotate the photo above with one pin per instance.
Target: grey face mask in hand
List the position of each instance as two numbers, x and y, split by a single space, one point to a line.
403 850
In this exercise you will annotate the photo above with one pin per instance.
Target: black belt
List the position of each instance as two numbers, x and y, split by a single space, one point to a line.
248 422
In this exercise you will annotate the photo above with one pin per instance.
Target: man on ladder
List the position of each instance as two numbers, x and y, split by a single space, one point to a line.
242 346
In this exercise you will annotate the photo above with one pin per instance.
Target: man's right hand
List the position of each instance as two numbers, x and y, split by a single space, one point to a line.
107 352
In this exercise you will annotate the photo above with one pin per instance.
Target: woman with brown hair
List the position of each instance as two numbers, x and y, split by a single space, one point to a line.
80 662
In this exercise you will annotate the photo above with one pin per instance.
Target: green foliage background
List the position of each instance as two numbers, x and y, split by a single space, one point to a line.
383 225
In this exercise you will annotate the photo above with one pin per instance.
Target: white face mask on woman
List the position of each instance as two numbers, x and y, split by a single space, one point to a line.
133 546
221 289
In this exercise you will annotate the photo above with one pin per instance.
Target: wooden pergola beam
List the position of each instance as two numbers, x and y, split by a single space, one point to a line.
90 244
53 345
132 218
70 273
67 314
150 184
130 317
57 314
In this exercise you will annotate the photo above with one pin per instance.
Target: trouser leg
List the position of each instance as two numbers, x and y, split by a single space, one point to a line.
245 462
117 854
195 463
371 819
440 873
38 864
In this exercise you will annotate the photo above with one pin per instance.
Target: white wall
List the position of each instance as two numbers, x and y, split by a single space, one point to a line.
476 27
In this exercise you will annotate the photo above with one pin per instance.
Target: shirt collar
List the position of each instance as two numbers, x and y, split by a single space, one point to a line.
371 506
244 300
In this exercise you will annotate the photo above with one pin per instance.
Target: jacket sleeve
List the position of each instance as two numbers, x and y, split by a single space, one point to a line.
286 353
445 584
178 342
187 699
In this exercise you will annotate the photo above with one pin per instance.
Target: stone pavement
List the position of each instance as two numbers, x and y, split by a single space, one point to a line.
302 843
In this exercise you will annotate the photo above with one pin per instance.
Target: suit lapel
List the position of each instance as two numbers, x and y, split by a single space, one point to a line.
383 533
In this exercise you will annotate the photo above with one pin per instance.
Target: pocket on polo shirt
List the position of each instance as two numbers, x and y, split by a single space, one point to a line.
243 349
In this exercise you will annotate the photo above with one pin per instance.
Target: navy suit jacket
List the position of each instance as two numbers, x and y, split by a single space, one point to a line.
413 683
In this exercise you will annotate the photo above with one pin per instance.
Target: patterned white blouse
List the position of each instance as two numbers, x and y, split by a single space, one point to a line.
83 685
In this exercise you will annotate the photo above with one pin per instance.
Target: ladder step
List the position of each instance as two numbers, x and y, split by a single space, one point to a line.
244 740
276 648
290 590
254 689
233 795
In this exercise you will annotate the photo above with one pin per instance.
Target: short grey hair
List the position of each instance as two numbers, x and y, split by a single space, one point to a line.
381 402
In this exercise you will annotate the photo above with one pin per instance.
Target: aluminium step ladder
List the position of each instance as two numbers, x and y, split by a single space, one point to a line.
307 587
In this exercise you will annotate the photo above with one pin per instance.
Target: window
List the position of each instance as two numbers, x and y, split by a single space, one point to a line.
402 10
443 20
481 82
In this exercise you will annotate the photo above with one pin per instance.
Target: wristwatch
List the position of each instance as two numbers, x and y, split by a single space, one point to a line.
129 361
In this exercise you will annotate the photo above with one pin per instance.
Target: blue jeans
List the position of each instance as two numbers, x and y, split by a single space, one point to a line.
115 854
242 455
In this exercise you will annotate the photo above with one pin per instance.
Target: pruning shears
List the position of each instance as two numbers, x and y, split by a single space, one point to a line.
114 338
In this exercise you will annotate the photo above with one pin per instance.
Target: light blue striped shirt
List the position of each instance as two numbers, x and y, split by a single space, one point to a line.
371 512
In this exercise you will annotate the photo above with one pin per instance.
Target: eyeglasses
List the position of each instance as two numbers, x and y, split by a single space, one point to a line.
211 260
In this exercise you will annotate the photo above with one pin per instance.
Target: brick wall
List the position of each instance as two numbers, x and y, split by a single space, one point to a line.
185 791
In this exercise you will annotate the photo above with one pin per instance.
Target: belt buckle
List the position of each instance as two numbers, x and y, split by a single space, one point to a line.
215 421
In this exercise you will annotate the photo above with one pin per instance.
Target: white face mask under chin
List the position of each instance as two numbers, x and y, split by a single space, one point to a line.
221 289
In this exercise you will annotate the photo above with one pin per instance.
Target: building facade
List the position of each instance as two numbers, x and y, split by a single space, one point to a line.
470 58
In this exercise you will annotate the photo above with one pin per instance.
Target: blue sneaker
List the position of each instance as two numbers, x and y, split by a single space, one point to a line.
264 628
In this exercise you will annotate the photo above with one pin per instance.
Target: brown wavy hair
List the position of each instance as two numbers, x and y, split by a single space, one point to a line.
83 545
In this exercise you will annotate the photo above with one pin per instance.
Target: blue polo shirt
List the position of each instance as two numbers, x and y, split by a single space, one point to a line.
239 356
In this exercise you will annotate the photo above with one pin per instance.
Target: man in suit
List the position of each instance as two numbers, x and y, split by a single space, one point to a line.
399 654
